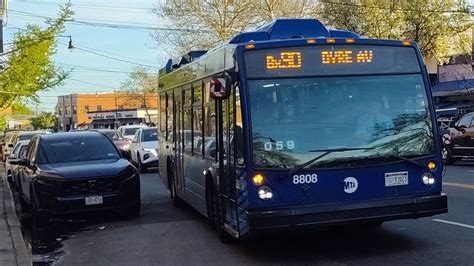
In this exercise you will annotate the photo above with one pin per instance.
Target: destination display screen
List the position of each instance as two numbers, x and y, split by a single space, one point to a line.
331 60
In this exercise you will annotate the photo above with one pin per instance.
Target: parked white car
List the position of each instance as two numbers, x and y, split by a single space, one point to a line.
10 141
18 152
129 131
144 148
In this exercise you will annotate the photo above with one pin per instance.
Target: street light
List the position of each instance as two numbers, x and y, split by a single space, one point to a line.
70 44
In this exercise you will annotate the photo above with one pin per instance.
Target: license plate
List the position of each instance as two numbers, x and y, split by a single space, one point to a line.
396 179
94 200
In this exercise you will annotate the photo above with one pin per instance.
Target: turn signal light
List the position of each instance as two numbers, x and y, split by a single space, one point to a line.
330 40
431 165
311 41
250 46
406 43
258 179
350 40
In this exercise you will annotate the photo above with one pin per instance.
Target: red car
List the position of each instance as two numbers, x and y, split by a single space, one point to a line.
121 142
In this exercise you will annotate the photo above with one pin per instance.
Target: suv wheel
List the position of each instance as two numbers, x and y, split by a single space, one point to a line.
447 157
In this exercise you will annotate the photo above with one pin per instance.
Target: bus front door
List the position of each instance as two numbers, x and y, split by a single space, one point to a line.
226 122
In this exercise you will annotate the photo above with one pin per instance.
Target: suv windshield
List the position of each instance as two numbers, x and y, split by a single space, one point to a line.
150 135
290 117
130 131
78 149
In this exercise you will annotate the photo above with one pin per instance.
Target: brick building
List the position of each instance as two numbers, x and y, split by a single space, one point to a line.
72 110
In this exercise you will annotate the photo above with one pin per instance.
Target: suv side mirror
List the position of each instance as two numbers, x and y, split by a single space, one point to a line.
12 156
126 155
22 162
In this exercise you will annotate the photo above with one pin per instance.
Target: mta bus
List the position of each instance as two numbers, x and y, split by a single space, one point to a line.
295 126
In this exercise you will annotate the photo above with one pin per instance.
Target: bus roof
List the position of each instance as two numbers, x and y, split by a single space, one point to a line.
199 64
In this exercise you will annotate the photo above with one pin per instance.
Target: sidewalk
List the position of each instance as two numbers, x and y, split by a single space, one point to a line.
13 249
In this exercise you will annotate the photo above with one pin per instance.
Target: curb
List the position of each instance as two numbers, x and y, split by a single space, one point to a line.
23 256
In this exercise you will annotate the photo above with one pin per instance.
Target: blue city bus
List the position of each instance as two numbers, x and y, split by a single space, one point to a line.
296 126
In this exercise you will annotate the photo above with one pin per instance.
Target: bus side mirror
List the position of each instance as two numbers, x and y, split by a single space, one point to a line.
220 86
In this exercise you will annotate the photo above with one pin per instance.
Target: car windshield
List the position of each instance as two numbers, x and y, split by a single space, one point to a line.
78 149
130 131
26 136
150 135
291 117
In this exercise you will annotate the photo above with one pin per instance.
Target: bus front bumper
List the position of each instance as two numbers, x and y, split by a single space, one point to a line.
300 217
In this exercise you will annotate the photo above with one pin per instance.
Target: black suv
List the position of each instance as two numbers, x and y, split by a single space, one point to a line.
459 140
73 172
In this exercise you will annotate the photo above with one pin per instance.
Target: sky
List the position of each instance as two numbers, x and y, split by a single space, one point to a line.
92 73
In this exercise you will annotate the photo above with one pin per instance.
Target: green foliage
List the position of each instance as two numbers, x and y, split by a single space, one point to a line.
3 123
29 66
45 120
19 108
439 27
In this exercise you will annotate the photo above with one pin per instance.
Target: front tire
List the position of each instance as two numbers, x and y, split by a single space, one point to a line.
177 202
141 168
447 157
40 219
215 216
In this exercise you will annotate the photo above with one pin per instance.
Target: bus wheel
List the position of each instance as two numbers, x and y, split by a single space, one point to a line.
215 215
177 202
211 205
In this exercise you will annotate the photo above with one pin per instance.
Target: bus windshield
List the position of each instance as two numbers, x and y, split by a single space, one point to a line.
292 117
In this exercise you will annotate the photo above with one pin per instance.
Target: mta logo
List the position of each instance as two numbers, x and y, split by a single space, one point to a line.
350 185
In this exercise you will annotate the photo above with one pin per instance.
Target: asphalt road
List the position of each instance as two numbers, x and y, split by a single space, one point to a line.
165 235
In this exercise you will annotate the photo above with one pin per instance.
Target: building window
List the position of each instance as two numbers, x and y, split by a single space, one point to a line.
60 108
74 109
68 110
86 108
99 107
119 114
128 115
120 107
143 106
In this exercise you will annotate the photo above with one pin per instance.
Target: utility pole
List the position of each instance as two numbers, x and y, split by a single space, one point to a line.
3 9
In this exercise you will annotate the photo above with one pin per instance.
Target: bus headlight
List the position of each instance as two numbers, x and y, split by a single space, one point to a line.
265 193
428 179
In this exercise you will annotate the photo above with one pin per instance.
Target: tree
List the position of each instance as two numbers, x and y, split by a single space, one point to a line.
140 85
46 120
201 25
19 108
29 66
439 27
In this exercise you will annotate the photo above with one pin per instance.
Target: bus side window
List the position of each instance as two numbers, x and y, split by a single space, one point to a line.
210 130
238 137
197 124
169 116
187 121
162 125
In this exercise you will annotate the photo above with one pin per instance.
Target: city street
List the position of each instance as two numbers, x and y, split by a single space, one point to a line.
165 235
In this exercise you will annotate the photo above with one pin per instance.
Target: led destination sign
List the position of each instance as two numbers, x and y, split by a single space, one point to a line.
331 60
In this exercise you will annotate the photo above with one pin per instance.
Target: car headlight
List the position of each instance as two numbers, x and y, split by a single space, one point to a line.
152 151
265 193
428 179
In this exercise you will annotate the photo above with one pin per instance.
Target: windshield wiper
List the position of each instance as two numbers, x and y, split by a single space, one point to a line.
402 158
325 153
